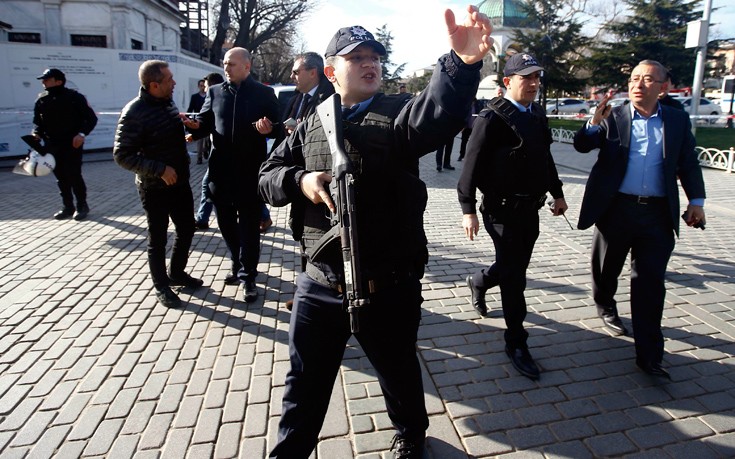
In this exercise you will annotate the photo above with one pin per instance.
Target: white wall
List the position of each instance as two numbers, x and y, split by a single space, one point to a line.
108 78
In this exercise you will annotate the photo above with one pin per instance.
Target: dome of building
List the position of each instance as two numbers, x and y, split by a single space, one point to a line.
505 13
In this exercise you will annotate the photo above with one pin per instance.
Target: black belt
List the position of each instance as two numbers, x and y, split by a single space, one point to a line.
642 199
374 283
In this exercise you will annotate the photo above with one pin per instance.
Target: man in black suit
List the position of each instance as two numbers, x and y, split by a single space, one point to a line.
312 85
195 104
238 114
632 198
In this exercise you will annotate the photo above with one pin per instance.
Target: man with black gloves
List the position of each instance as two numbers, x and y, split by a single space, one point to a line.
150 142
63 118
509 161
239 114
385 135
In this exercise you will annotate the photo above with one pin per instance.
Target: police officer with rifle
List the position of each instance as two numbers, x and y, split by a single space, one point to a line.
364 277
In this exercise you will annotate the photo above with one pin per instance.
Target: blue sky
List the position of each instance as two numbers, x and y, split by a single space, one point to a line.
418 27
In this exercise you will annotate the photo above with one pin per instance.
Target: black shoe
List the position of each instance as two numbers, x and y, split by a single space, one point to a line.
251 291
460 158
653 369
232 279
167 297
477 298
438 168
201 225
523 362
185 280
82 212
449 168
404 448
613 323
64 213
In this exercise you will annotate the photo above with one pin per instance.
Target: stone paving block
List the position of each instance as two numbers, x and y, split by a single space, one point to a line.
484 445
615 444
139 375
71 449
256 420
103 438
12 398
260 389
252 447
47 383
235 407
240 379
33 430
170 398
86 425
575 449
166 361
228 441
124 446
154 435
720 422
177 444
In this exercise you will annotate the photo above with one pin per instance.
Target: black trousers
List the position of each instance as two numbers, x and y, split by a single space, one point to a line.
239 222
68 172
466 132
644 231
514 233
318 334
444 154
176 202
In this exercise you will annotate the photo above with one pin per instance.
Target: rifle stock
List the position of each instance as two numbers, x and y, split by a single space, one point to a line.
342 189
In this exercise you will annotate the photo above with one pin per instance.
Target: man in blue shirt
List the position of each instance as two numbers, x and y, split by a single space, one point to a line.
632 198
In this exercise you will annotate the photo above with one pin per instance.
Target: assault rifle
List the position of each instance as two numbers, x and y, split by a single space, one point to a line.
342 189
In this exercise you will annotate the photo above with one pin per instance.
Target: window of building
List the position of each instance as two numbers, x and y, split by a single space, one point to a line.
94 41
136 44
24 37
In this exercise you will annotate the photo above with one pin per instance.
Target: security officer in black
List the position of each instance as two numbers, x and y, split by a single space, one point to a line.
63 118
385 135
509 161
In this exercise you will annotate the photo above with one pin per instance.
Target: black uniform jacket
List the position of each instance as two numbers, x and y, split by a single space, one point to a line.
417 127
150 136
495 165
238 149
613 140
60 114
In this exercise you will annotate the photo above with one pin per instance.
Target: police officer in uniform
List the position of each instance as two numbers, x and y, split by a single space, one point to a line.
509 161
385 135
63 118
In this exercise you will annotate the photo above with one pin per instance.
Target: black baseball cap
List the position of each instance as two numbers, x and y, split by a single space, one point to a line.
348 38
52 73
521 64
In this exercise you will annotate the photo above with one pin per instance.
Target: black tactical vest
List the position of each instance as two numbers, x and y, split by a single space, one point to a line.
391 199
521 160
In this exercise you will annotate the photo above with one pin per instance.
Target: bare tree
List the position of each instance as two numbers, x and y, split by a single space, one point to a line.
252 23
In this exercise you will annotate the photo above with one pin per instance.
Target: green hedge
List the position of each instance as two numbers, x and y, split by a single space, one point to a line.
707 137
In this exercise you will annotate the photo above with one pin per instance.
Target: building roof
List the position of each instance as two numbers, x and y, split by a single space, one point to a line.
505 13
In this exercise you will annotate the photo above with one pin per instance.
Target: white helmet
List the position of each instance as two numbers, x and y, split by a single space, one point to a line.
36 164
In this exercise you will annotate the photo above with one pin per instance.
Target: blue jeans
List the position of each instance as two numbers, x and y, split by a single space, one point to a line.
205 204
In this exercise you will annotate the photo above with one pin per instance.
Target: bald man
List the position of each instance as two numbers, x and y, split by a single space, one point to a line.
239 114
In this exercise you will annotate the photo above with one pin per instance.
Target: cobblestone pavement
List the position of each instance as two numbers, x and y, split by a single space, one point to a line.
92 366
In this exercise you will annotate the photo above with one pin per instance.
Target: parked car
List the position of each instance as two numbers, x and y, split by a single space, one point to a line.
612 103
567 106
706 106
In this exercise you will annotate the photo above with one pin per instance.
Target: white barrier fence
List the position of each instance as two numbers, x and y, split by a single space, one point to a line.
708 157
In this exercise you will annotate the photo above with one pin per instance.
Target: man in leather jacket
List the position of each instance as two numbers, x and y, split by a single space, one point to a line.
385 135
149 141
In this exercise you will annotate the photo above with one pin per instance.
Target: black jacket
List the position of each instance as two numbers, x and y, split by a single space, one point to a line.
613 140
501 166
323 90
150 136
418 126
60 114
238 149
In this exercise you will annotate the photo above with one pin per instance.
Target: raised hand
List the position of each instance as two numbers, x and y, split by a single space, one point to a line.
471 40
